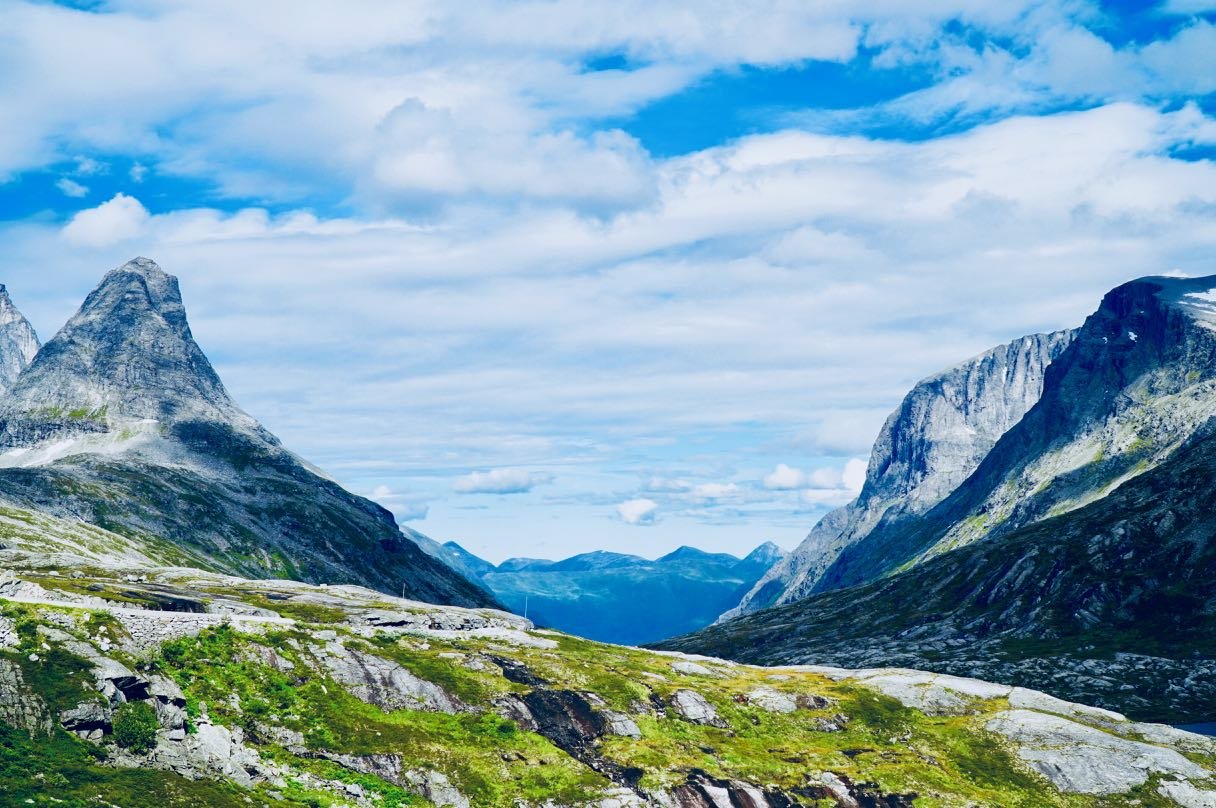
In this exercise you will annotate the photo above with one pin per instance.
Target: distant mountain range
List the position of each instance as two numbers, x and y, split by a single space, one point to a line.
1076 555
120 421
614 597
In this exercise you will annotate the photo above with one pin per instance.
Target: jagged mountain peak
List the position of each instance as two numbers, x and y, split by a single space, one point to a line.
766 553
127 355
18 341
934 439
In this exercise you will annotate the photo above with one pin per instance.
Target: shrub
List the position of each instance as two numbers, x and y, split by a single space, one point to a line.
135 726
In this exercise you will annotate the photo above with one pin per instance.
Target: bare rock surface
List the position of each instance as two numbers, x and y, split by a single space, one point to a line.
1082 759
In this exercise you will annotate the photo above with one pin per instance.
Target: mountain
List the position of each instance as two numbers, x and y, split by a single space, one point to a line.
120 421
18 342
141 686
620 598
1137 381
1076 558
937 436
1113 604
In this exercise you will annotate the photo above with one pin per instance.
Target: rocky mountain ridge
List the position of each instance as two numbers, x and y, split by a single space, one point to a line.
1134 385
18 341
1076 559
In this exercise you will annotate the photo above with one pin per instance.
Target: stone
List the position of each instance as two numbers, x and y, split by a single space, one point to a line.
773 701
692 706
386 684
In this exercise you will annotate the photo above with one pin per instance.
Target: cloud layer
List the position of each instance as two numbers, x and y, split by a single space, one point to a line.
428 247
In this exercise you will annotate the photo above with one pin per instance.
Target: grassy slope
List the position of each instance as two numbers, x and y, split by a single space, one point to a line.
947 761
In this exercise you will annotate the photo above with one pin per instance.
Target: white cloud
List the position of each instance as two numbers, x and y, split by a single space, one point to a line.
88 166
500 481
784 478
120 219
853 477
69 187
638 511
714 490
138 173
823 486
1188 6
827 497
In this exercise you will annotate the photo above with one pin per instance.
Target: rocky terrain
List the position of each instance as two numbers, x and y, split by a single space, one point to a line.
135 685
939 434
120 421
620 598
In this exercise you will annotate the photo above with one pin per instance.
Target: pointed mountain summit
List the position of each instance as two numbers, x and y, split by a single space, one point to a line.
126 356
18 342
121 421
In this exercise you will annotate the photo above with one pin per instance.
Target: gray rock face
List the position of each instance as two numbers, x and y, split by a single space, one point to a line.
692 706
18 342
123 406
937 437
126 356
1136 384
19 706
386 684
1082 759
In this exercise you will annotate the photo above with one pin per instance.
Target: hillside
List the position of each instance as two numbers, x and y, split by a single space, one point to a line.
1113 604
150 687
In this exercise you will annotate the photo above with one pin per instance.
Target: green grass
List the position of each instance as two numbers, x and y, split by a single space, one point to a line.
66 772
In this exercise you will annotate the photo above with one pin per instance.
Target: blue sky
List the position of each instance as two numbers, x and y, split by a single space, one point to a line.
547 277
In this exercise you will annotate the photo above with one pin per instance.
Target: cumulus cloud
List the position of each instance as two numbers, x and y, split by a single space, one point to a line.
515 283
853 477
785 478
500 481
120 219
638 511
823 485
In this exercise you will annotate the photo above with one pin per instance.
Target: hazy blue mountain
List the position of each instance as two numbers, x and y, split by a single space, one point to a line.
615 597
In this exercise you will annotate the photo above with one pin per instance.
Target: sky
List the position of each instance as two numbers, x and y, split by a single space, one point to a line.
551 277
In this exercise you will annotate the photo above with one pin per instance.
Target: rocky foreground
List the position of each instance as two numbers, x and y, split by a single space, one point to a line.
151 686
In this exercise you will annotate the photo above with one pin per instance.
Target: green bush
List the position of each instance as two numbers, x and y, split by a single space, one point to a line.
135 726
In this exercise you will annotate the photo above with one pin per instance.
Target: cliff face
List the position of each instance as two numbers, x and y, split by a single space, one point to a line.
1112 604
1136 382
121 421
937 437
